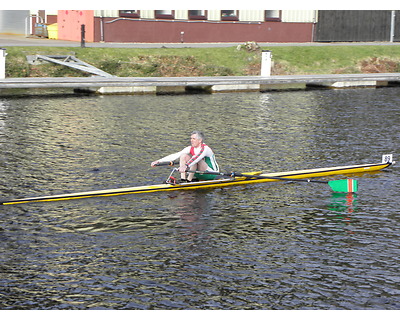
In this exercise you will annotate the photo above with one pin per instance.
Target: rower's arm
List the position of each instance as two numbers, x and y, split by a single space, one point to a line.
174 156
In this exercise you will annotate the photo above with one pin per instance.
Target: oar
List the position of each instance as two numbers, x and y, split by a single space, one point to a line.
347 185
165 163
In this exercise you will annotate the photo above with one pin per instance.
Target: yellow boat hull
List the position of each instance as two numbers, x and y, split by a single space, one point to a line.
219 183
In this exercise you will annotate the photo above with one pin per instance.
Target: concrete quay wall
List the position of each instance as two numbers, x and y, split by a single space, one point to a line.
179 85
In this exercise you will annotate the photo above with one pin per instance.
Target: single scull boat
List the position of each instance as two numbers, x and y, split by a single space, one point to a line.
232 180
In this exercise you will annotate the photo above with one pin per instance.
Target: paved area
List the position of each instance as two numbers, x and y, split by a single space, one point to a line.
21 41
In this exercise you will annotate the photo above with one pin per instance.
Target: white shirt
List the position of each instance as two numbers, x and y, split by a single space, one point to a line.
202 152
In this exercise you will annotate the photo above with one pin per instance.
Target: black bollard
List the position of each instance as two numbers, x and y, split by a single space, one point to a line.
82 36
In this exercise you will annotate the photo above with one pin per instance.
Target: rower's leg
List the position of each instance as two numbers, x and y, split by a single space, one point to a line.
182 161
200 166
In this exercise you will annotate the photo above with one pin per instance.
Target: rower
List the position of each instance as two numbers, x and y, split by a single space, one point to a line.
196 157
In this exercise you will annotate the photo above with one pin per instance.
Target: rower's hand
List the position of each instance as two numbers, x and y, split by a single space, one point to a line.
154 163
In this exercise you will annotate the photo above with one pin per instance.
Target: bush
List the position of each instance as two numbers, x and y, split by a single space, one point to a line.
379 65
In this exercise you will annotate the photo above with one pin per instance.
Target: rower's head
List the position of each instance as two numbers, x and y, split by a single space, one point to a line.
196 138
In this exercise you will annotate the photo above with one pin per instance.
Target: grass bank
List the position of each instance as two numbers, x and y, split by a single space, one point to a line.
126 62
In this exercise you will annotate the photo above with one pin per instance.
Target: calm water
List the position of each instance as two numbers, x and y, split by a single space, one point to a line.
268 246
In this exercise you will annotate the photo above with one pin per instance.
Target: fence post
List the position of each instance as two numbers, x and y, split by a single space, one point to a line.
3 63
266 63
82 36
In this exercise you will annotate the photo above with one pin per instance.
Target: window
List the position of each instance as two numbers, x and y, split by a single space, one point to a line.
164 14
229 15
129 13
272 15
197 15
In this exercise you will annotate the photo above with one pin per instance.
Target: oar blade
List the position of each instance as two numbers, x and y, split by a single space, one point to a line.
348 185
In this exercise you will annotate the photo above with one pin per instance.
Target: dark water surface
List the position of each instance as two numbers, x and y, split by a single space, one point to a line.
268 246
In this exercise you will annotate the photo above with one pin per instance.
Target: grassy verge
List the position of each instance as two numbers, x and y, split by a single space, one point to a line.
125 62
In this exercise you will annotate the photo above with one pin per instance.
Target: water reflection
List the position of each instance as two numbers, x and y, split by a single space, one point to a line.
192 209
343 202
3 115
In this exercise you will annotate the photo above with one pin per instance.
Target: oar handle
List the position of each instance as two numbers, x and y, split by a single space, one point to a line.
211 172
165 163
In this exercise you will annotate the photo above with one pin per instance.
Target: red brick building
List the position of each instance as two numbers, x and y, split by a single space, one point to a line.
189 26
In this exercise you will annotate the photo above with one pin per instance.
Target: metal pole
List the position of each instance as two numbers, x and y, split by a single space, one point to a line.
392 23
102 26
82 36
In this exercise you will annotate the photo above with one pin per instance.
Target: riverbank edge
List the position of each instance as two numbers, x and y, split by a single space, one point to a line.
184 85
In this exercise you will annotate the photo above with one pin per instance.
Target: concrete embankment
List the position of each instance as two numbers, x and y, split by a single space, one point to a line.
176 85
